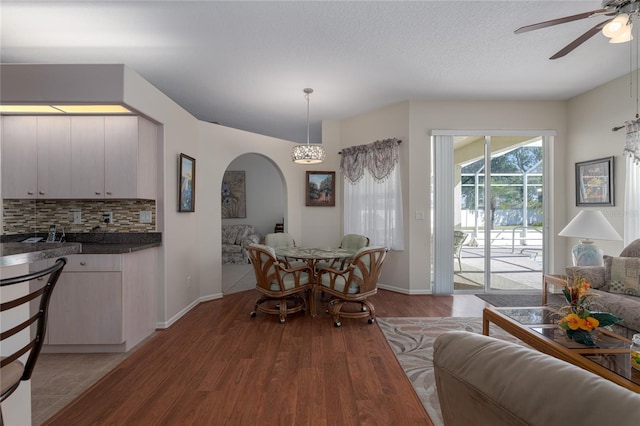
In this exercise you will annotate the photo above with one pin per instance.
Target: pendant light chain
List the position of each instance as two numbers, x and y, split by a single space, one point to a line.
307 92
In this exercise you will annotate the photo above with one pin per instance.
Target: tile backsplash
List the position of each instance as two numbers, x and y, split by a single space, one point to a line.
31 216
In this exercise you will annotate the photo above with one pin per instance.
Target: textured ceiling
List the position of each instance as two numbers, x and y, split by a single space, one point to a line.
244 64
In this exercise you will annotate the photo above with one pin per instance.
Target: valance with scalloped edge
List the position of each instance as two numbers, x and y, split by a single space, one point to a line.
379 158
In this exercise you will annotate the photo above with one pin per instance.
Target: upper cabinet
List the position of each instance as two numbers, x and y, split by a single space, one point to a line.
79 157
36 157
19 157
54 157
130 152
87 157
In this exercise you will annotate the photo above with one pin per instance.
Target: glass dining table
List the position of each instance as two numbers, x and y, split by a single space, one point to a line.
313 255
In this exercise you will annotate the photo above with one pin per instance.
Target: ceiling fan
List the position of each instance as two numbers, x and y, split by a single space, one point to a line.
617 26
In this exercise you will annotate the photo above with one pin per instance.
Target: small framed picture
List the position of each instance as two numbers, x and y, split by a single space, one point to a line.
594 182
321 189
187 184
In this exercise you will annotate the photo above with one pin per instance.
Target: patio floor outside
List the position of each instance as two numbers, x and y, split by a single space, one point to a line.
516 262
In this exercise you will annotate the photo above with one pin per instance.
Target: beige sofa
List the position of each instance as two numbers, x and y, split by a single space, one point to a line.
624 306
485 381
235 239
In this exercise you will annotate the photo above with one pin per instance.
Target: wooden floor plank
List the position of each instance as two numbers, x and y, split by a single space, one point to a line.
217 365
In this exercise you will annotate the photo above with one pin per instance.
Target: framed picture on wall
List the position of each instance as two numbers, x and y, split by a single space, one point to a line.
321 189
594 182
186 183
233 195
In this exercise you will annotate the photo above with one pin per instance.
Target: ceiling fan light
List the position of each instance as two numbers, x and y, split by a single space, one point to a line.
624 36
616 26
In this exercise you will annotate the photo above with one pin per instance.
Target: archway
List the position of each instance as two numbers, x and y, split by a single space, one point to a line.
257 198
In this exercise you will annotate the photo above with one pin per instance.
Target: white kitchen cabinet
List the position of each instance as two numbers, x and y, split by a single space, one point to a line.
87 157
86 305
104 302
36 157
130 158
54 157
80 157
19 160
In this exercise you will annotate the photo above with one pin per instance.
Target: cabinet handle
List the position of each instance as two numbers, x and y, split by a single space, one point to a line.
97 193
83 263
108 193
29 192
41 192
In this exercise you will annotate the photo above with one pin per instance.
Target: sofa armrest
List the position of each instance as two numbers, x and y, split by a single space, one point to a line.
593 274
483 380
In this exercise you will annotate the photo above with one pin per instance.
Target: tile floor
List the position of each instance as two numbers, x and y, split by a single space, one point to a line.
59 378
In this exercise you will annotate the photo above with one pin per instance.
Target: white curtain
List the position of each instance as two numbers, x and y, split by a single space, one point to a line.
632 202
373 194
632 183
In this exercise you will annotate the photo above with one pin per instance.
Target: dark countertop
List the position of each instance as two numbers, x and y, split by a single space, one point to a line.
111 248
13 252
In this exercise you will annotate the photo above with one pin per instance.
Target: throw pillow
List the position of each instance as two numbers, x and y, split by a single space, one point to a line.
229 234
625 276
607 272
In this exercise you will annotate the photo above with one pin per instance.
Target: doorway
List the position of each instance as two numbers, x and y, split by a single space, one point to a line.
489 209
265 202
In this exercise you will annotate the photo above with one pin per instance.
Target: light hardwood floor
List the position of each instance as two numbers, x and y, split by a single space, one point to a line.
217 365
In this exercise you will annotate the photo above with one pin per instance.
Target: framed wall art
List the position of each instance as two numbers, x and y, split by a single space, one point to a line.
186 183
234 197
321 189
594 182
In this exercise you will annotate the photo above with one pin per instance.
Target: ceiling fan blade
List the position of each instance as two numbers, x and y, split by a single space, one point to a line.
559 21
584 37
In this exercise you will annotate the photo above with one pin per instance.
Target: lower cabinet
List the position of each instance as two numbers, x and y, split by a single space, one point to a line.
104 302
86 309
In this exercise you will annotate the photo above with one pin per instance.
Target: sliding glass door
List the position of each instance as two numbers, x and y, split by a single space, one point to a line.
492 187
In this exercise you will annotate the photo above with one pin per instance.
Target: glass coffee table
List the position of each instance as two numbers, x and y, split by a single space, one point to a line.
538 328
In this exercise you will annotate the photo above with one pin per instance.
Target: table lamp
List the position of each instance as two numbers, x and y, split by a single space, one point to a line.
588 225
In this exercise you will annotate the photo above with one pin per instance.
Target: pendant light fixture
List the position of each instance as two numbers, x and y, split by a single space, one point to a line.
308 154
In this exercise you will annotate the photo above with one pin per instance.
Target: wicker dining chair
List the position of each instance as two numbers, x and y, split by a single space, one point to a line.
279 240
12 369
349 242
283 289
354 284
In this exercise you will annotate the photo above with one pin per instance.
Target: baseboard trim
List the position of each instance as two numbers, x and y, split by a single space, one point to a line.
183 312
404 290
176 317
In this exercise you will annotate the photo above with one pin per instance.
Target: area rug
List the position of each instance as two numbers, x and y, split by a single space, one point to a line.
511 300
411 340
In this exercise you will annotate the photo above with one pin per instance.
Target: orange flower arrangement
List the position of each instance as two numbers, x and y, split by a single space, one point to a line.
579 320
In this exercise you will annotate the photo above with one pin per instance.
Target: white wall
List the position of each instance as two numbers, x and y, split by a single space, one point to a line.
409 271
264 193
590 118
